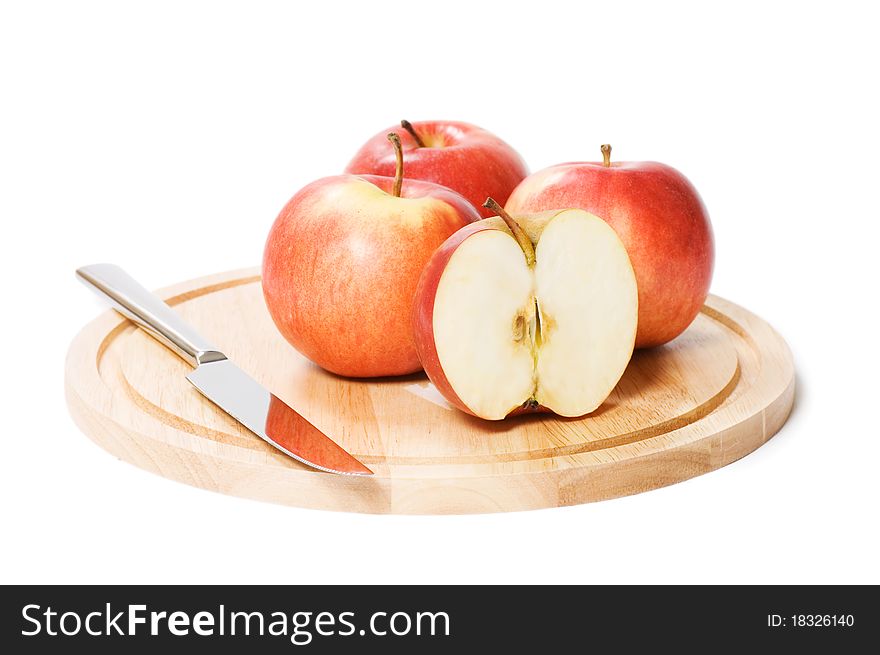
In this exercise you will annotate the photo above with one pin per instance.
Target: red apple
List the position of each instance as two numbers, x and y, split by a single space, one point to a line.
527 313
342 262
660 218
460 156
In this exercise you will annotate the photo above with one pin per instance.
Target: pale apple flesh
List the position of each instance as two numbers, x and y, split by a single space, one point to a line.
485 351
556 335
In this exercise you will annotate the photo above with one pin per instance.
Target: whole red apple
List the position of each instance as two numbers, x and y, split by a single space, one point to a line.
660 218
342 262
463 157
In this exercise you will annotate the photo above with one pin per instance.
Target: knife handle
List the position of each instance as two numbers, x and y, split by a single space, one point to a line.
146 310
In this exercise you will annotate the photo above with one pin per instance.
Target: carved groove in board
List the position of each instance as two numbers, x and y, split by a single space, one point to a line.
644 433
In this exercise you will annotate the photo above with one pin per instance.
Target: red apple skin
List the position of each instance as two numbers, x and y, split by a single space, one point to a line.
659 217
341 265
423 317
463 157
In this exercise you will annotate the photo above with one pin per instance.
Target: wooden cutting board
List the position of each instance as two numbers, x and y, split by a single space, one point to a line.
713 395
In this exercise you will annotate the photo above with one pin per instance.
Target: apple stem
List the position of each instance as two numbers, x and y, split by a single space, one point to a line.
521 237
412 132
606 156
398 171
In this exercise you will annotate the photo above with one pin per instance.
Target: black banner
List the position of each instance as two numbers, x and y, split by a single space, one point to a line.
434 619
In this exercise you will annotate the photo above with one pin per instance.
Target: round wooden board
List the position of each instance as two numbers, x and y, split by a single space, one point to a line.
713 395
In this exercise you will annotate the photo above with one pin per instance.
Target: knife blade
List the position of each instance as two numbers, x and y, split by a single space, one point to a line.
220 380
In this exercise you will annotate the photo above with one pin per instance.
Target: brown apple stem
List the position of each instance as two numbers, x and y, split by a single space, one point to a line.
412 132
398 171
521 238
606 156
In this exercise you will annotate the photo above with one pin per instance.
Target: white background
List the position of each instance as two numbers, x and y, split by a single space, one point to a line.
166 137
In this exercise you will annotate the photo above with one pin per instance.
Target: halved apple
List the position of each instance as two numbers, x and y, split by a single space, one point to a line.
527 313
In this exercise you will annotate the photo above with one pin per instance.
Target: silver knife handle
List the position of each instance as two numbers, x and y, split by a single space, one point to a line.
137 304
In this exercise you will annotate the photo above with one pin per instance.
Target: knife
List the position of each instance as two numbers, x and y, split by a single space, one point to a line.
218 379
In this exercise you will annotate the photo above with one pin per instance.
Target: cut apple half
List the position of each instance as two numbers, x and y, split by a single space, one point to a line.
540 317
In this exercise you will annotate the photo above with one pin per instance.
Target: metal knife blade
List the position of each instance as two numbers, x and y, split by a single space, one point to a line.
271 419
218 379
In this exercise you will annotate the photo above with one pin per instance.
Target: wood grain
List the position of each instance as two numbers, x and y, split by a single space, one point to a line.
713 395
